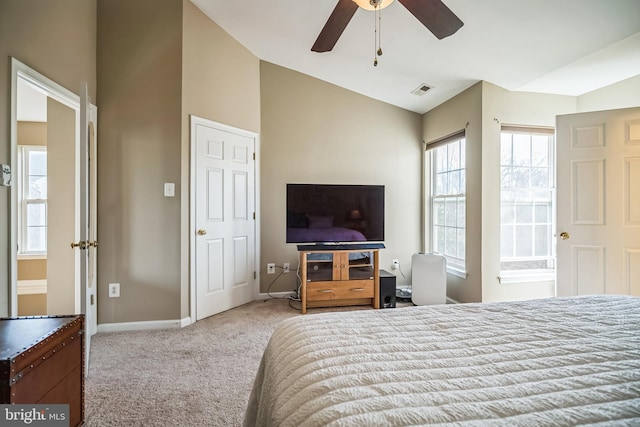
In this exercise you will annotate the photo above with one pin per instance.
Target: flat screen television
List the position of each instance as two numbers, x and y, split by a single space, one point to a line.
335 213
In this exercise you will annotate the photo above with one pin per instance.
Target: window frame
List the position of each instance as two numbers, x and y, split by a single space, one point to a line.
24 201
456 265
515 275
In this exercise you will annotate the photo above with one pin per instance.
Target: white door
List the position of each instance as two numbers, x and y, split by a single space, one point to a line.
92 269
598 192
61 209
87 221
224 231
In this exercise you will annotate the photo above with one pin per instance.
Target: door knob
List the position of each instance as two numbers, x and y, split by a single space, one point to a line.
564 235
202 232
81 244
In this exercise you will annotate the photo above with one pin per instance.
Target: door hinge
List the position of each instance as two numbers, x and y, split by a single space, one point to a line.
91 299
254 215
254 155
255 276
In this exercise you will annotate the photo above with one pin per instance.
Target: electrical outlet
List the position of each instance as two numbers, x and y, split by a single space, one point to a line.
271 268
395 264
114 290
285 267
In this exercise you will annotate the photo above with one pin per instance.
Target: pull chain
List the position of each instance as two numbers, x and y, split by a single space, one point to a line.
377 34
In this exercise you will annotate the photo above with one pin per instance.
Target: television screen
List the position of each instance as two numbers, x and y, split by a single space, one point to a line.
329 213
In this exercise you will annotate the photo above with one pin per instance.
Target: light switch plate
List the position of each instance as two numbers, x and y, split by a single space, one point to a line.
169 189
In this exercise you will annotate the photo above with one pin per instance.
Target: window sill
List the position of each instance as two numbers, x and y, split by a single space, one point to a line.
526 276
458 272
32 256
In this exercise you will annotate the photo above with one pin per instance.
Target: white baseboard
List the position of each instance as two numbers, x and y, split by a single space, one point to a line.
144 325
263 296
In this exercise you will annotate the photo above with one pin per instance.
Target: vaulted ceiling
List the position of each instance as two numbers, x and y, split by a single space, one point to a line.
568 47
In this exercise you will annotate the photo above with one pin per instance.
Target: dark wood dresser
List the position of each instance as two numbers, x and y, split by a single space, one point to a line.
42 361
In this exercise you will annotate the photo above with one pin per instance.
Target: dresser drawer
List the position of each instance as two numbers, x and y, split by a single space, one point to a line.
343 289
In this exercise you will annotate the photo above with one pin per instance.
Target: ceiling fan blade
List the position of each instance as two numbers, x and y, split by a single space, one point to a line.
434 15
335 25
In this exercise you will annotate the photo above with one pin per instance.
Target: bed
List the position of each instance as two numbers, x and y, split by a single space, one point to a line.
557 361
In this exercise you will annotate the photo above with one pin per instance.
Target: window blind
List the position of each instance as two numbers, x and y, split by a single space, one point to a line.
529 130
445 140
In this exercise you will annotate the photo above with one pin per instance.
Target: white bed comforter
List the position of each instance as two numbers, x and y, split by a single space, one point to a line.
554 362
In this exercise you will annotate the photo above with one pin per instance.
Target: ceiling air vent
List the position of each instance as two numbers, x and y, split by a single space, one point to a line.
421 90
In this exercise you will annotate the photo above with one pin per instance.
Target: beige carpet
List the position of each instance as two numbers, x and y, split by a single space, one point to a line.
200 375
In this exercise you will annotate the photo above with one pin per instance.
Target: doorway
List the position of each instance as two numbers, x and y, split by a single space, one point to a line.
46 140
43 175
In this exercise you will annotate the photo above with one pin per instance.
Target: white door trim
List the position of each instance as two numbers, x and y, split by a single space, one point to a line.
194 121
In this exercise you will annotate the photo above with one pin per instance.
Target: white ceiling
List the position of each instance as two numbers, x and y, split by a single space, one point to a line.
565 47
32 103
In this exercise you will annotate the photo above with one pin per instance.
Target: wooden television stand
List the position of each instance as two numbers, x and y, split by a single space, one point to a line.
339 275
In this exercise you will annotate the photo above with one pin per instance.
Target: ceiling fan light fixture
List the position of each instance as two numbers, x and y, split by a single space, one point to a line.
373 4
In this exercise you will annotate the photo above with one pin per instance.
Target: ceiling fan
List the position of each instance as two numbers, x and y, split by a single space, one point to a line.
433 14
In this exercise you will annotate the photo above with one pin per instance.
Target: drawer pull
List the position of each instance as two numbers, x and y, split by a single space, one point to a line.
357 289
325 291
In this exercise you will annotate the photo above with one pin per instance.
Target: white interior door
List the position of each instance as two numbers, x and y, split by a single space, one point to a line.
87 218
91 294
61 209
598 192
224 232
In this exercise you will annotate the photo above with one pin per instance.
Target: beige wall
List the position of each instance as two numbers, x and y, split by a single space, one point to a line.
624 94
315 132
32 133
58 39
139 141
32 305
459 113
32 269
221 78
220 82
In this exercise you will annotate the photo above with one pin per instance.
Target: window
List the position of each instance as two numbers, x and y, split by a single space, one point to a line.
32 208
448 204
527 201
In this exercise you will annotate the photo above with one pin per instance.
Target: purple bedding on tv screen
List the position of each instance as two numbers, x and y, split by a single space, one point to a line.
331 234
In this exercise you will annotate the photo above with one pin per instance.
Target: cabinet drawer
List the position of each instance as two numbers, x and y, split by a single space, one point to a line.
319 291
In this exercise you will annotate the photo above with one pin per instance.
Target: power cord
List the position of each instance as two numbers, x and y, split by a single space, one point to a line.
400 270
405 290
274 281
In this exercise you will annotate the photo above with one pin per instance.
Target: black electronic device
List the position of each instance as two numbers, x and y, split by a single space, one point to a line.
335 213
387 289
